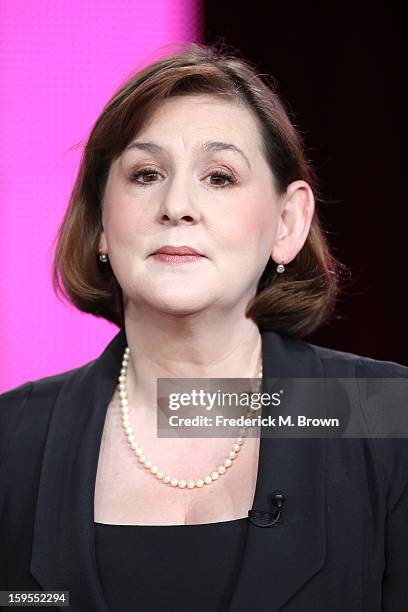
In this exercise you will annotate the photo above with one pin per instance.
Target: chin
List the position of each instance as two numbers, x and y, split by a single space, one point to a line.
179 306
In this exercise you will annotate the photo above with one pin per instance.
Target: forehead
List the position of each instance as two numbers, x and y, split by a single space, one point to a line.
195 117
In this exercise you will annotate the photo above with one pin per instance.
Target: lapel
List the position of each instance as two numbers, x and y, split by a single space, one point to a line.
277 560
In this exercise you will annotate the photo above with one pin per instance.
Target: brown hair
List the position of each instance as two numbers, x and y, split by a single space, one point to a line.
294 303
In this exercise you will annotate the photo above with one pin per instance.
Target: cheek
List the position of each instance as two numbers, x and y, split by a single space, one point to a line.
250 224
123 220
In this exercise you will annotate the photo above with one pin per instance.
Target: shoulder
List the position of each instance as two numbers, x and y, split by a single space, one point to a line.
382 391
45 386
364 366
34 400
385 405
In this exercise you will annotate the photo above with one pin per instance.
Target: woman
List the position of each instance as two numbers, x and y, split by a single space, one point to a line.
193 227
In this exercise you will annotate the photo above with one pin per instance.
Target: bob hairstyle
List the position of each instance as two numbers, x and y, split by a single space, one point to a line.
294 303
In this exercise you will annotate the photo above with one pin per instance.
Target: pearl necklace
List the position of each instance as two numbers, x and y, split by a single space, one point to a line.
154 470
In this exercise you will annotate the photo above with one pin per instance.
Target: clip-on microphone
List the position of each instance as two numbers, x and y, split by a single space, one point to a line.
262 518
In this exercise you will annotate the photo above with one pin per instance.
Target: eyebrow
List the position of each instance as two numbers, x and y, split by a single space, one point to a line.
209 145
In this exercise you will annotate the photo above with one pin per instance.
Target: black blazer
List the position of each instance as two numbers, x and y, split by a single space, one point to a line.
341 542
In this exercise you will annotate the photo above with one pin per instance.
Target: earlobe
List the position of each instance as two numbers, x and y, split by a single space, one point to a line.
102 242
280 267
283 231
103 248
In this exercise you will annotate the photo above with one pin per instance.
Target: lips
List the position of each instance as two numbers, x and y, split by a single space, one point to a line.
177 250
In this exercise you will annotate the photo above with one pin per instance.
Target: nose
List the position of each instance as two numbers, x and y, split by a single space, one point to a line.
177 202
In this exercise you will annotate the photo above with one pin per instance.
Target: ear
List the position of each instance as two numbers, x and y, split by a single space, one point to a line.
102 243
297 209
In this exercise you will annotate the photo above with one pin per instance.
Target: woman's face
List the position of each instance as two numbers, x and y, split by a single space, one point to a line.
176 184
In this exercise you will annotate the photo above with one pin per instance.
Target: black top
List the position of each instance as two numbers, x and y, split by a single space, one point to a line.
154 568
341 544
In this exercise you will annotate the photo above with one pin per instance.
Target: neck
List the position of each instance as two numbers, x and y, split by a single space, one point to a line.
192 346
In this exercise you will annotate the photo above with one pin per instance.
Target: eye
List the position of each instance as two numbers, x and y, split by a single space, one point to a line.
220 178
147 173
146 176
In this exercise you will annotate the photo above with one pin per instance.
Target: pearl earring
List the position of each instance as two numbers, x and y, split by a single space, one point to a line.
280 268
103 256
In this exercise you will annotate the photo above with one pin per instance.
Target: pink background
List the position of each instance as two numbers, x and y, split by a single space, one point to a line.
59 64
